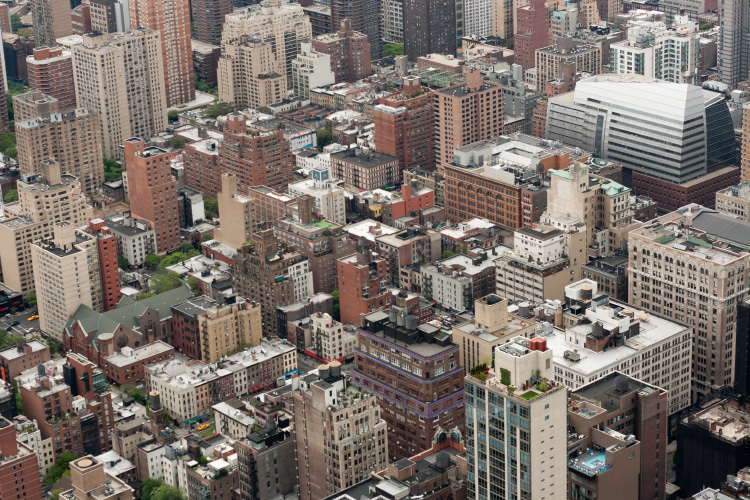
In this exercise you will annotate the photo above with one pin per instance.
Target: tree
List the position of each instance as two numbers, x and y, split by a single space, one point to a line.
61 466
146 295
325 137
150 485
206 237
211 206
55 494
8 141
336 306
392 49
137 396
218 109
177 142
171 260
195 287
266 110
152 260
15 23
509 43
19 400
173 115
12 152
54 346
30 299
165 282
187 246
112 170
122 262
706 26
11 196
7 339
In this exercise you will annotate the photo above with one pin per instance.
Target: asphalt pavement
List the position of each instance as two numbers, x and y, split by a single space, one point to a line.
23 323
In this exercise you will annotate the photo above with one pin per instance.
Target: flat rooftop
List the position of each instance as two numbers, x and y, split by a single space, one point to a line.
15 353
128 356
726 419
370 229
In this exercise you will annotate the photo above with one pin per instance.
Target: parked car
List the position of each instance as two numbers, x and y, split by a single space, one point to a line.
13 323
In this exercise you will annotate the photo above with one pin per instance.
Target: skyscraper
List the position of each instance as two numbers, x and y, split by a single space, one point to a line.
153 191
734 42
364 16
429 27
51 20
121 78
171 18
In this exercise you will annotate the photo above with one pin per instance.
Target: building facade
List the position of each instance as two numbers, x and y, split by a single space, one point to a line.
50 71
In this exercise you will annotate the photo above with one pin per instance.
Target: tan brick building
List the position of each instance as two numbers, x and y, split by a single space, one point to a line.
566 49
250 75
51 20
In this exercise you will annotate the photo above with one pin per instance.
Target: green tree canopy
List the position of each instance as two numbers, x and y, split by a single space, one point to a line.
122 262
150 485
165 282
11 196
177 142
30 299
392 49
324 136
15 22
171 260
211 206
112 170
336 305
61 466
167 492
152 260
706 26
218 109
146 295
137 396
173 115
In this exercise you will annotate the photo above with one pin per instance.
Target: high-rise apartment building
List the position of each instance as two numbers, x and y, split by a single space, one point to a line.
19 466
107 247
734 42
692 267
404 125
503 18
171 19
43 200
311 69
109 16
249 73
282 25
237 221
349 51
208 18
32 104
51 20
50 71
129 97
429 28
80 17
551 60
532 32
365 18
325 190
517 442
257 157
421 386
467 113
393 21
361 284
340 432
153 191
477 18
72 137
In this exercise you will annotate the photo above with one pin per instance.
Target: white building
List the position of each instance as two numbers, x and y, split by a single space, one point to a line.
329 198
28 433
329 338
520 412
672 55
478 17
301 274
136 239
393 21
232 421
311 69
616 337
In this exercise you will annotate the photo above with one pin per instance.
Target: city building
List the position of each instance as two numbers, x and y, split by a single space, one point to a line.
100 70
208 18
329 339
189 389
320 18
89 480
33 217
105 243
109 16
456 282
237 220
153 191
71 137
420 389
647 49
404 125
206 62
321 241
362 169
393 21
623 404
610 274
716 442
429 28
250 74
311 69
680 107
734 44
532 32
735 201
283 25
365 18
461 120
50 20
28 434
413 245
701 258
329 198
530 426
543 262
218 477
745 143
126 367
551 60
50 71
270 274
32 104
19 466
326 403
208 330
349 53
171 19
136 239
257 157
21 357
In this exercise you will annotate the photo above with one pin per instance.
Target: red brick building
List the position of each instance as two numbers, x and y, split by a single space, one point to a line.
21 357
271 204
533 32
671 196
50 71
125 368
153 191
19 466
412 199
5 25
404 125
359 278
108 269
202 167
349 51
80 19
257 157
208 19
